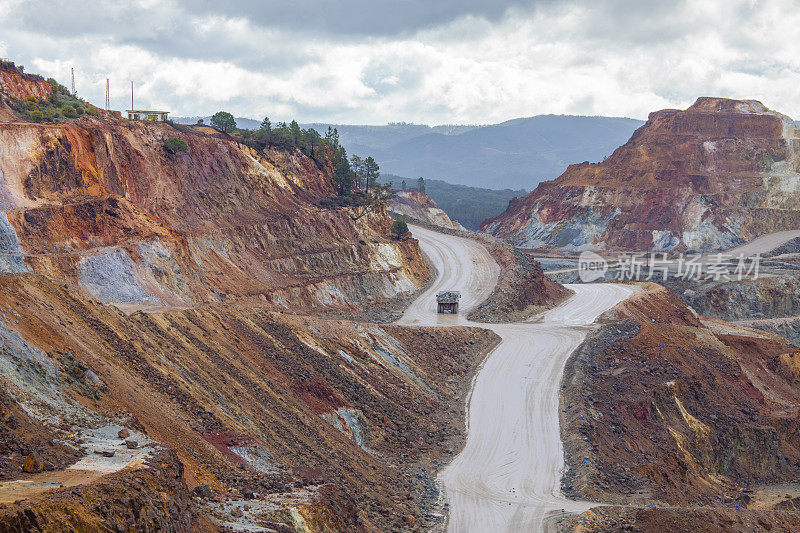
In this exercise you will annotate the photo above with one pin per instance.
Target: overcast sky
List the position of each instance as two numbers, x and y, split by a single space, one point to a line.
425 61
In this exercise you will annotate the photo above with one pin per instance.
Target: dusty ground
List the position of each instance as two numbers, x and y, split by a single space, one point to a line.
255 402
507 477
521 289
152 497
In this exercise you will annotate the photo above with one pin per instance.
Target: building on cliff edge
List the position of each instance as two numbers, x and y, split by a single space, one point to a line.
142 114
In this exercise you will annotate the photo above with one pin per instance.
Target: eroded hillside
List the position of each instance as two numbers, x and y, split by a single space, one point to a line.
100 203
662 406
163 365
419 206
719 173
253 402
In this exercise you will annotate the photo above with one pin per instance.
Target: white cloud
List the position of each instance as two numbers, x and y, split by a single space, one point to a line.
612 57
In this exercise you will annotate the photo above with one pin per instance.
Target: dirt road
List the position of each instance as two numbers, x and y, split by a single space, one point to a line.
508 476
759 245
765 243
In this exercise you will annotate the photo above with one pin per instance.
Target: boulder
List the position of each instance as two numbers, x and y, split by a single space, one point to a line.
202 491
124 433
32 464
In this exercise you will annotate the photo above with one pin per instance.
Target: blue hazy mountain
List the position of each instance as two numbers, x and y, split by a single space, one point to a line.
516 154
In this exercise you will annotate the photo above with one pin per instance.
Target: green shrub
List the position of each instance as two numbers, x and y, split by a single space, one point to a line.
37 115
400 229
69 111
174 145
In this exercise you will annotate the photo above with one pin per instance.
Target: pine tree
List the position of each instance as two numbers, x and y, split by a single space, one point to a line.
342 174
332 137
371 171
357 164
223 121
294 127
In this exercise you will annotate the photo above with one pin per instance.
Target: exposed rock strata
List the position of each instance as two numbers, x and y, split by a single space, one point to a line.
100 203
256 401
661 406
710 177
769 296
417 205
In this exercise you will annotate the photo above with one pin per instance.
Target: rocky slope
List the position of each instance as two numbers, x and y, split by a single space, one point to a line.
253 402
769 296
522 290
100 203
163 363
419 206
719 173
16 84
662 406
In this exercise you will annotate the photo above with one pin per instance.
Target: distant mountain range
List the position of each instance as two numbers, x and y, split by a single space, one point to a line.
723 181
516 154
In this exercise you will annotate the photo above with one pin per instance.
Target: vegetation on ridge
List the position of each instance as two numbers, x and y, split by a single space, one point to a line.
355 179
60 105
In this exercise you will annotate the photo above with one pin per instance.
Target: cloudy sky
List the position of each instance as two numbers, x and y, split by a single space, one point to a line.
425 61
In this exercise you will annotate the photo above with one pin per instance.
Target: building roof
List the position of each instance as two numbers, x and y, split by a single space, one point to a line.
448 297
144 111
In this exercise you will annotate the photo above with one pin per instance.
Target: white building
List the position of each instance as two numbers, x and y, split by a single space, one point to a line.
142 114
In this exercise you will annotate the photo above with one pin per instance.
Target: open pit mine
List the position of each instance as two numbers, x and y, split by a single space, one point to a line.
710 177
205 340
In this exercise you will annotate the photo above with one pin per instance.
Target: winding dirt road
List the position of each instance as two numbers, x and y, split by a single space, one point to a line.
508 476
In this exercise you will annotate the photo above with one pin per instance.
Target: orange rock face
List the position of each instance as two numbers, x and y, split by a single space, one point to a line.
718 173
249 399
102 204
227 378
22 86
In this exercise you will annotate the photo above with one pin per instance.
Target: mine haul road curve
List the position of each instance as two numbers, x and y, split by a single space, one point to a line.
508 476
760 245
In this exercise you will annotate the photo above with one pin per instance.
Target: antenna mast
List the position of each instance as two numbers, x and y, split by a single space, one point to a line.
132 95
108 97
72 75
